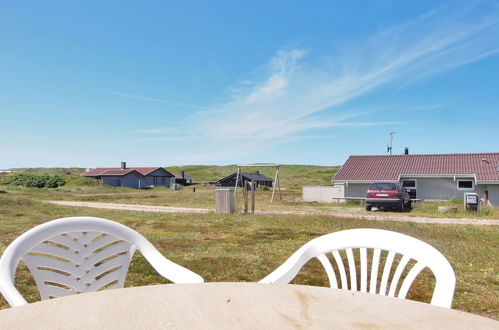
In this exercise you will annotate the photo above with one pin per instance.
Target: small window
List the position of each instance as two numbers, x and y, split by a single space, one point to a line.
465 184
163 179
409 183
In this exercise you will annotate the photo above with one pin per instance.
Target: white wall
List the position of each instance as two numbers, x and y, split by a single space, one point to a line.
323 194
432 189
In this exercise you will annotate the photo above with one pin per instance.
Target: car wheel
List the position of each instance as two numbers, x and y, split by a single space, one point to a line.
368 208
409 205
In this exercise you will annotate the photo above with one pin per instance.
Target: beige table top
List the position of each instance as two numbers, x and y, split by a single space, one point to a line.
235 306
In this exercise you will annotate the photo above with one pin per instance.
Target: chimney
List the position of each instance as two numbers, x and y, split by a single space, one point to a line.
406 150
257 172
183 175
123 165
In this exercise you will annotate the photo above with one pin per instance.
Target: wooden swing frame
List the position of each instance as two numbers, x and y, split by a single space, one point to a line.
276 179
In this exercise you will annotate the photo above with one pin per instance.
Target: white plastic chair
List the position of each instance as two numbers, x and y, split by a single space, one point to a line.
80 254
395 243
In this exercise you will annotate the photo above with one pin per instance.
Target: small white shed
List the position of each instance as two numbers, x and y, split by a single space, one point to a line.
323 194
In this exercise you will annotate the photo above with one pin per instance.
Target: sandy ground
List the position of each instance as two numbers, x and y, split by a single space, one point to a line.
348 215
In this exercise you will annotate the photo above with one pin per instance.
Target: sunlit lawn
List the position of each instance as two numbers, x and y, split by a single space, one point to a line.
203 196
248 247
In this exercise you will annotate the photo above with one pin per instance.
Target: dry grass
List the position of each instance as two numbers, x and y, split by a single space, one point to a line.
248 247
204 197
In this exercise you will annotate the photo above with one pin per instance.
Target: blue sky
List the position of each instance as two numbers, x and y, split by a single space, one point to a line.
161 83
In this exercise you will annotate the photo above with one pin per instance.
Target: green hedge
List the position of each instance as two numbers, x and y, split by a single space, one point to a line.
33 181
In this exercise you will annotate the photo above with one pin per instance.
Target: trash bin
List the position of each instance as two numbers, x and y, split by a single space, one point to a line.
471 201
224 200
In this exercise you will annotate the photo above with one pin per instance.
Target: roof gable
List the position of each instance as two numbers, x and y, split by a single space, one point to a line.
143 171
119 172
370 168
148 170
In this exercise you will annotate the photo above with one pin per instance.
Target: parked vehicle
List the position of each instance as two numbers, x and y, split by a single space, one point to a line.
388 195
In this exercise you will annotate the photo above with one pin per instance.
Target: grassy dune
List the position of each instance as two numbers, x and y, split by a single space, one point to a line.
291 175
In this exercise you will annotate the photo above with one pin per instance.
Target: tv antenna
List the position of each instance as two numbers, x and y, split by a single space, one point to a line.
390 141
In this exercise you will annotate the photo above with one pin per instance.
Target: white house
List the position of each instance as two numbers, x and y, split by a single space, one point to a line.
426 177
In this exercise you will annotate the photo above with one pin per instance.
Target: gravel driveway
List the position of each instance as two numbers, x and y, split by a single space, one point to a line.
370 217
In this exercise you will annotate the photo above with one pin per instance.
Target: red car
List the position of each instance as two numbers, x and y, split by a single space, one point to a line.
388 195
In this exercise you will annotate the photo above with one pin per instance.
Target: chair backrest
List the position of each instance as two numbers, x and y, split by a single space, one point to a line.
423 254
80 254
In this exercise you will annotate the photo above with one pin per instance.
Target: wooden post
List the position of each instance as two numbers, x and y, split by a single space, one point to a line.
245 196
252 196
237 181
276 183
279 183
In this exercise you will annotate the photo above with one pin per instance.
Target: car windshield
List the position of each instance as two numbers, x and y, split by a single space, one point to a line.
383 186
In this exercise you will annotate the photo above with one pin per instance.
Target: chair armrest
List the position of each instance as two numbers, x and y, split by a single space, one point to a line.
167 268
7 287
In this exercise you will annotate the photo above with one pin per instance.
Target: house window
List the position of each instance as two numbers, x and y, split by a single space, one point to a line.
163 180
465 185
410 186
154 180
409 183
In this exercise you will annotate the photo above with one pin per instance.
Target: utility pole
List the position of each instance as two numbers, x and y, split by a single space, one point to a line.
390 141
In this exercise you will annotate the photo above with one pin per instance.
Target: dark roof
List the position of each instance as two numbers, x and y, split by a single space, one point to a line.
179 176
144 171
370 168
256 177
249 177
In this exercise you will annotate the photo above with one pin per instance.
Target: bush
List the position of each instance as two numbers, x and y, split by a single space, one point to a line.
34 181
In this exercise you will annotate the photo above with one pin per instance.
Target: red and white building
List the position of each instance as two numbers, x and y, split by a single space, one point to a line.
426 177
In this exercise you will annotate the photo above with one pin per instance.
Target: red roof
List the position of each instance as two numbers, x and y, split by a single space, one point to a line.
118 172
144 171
484 166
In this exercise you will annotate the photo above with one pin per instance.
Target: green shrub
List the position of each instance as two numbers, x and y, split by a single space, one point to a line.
33 181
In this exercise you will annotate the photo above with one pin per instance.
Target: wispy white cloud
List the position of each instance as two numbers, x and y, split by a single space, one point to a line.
296 89
152 99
